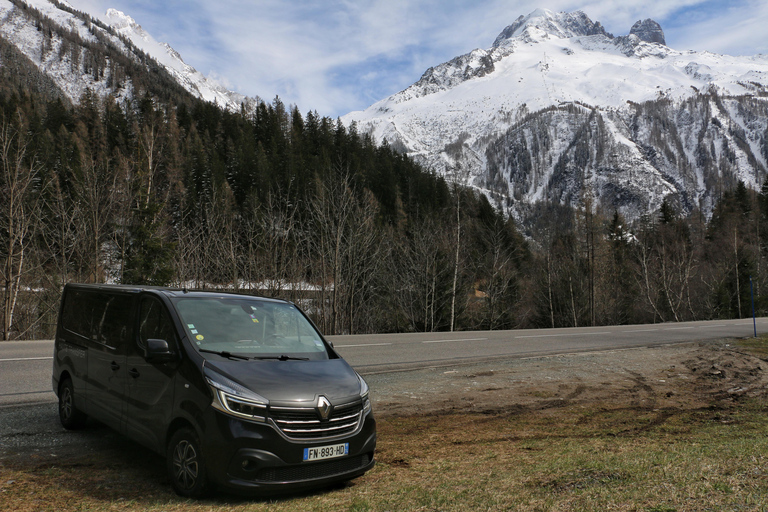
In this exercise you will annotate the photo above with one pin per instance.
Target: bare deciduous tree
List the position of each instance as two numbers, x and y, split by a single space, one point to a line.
19 213
345 240
500 286
421 272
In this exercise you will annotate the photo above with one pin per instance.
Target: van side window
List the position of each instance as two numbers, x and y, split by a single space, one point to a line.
154 323
78 313
112 325
99 317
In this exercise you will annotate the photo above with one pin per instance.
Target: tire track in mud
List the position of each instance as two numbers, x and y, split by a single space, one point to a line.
657 380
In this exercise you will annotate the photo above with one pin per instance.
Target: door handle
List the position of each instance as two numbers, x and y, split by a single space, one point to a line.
133 372
114 366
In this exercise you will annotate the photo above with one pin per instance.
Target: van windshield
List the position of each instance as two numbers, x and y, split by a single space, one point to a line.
250 327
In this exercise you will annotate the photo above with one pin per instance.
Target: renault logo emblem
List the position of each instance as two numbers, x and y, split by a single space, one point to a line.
323 407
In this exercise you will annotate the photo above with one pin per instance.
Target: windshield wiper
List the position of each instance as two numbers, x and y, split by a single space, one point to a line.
284 358
230 355
224 353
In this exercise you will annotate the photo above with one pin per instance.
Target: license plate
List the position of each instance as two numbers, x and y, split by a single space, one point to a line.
326 452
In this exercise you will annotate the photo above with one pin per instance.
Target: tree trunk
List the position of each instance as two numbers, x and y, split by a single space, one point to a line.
736 269
456 262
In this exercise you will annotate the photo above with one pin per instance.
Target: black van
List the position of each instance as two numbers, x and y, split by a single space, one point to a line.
236 391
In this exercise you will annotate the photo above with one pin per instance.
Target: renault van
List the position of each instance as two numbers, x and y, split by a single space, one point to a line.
237 392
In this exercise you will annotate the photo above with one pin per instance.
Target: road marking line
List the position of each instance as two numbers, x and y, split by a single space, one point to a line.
448 341
556 335
717 325
676 328
363 345
26 359
643 330
28 393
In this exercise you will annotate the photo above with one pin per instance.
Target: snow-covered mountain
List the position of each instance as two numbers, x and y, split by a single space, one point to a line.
191 79
557 107
67 46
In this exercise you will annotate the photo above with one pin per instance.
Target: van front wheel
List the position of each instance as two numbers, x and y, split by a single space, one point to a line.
70 416
186 467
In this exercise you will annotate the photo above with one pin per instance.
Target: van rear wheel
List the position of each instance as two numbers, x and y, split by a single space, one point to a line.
186 466
70 416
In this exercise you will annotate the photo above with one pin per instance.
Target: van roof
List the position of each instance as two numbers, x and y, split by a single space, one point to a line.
167 291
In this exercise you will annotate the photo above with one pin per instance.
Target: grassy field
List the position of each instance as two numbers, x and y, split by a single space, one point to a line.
594 457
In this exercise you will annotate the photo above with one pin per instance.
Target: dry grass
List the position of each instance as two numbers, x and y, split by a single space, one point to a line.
598 458
595 457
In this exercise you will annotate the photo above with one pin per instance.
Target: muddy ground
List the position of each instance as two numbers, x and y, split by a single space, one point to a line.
687 376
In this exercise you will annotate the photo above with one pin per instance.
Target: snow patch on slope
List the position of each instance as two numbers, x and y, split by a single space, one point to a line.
53 55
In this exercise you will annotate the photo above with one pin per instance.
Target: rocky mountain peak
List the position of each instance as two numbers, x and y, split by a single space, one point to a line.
649 31
552 24
120 21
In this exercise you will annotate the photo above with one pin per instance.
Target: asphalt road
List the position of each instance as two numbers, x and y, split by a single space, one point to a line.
25 366
25 372
396 352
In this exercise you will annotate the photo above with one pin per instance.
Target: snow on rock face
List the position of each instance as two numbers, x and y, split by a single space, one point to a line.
120 21
55 57
21 30
557 105
547 23
186 75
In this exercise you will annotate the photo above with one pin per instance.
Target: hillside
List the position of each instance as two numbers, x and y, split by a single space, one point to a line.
78 53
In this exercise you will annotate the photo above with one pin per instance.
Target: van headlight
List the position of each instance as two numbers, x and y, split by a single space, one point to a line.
231 398
364 395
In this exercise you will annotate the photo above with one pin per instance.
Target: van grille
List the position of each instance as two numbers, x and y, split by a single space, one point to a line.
313 471
305 423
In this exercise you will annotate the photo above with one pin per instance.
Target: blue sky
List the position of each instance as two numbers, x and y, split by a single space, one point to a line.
335 56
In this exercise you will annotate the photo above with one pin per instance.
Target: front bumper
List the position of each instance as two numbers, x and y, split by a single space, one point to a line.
253 458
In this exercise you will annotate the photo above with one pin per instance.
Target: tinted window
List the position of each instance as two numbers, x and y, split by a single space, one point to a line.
77 316
114 321
98 316
154 323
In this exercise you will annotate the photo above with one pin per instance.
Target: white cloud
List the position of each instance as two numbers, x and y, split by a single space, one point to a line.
734 31
339 55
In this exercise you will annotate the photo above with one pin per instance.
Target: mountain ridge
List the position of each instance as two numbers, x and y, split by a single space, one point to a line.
450 118
203 87
53 52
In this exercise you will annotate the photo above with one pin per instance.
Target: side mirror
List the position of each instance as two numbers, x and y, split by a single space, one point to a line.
158 352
